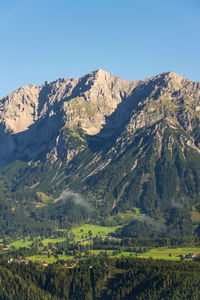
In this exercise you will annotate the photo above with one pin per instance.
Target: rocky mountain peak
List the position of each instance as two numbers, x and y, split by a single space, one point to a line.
174 80
99 73
97 103
123 144
171 75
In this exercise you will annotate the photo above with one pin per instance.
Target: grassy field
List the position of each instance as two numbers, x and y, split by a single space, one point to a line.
43 197
110 253
169 253
125 253
49 260
157 253
26 243
45 242
52 259
127 216
81 233
21 243
97 252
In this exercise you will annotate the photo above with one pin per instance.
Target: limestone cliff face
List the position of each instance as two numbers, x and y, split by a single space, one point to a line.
96 96
96 93
121 144
37 122
32 118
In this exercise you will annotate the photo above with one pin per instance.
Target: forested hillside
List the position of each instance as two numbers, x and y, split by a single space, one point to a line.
101 279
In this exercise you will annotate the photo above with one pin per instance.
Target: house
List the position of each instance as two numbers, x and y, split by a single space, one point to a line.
42 263
19 261
195 255
71 266
5 248
192 255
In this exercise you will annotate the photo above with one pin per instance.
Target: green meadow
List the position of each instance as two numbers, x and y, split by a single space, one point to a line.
124 253
85 232
97 252
45 242
82 233
27 243
21 243
49 260
168 253
156 253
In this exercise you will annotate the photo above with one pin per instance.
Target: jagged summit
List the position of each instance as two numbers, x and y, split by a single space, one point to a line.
172 76
98 103
165 76
98 74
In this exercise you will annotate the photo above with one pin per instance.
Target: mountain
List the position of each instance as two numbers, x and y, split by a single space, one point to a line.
100 146
33 119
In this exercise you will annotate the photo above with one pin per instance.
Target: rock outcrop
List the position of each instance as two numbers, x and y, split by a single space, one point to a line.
32 119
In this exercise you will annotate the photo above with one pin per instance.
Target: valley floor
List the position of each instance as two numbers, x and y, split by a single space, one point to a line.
84 241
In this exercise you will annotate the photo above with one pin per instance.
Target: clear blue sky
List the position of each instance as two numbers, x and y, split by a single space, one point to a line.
134 39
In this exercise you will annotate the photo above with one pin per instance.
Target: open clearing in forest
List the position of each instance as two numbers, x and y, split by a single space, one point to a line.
52 259
49 260
169 253
156 253
82 233
27 242
160 253
46 242
21 243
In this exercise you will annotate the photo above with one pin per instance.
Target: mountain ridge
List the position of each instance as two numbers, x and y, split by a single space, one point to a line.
120 144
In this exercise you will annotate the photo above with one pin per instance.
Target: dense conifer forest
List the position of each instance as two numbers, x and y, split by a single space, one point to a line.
101 279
